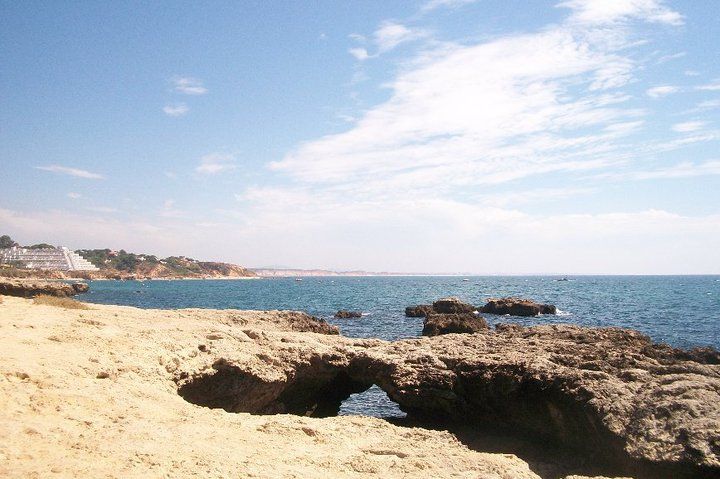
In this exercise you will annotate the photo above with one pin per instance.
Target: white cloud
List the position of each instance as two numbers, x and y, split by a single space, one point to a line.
688 126
101 209
359 53
660 91
615 11
74 196
391 34
436 4
517 106
683 170
710 86
705 105
691 73
672 56
176 109
188 86
215 163
169 210
64 170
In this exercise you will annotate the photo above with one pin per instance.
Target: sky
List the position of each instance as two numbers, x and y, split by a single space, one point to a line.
440 136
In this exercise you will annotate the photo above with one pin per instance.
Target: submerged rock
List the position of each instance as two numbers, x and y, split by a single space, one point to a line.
419 311
439 323
31 288
517 307
345 314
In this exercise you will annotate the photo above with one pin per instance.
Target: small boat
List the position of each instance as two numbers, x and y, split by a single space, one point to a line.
465 280
562 279
298 279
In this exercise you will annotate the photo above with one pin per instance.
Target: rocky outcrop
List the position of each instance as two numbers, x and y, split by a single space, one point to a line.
78 381
345 314
419 311
452 306
517 307
29 289
439 323
607 393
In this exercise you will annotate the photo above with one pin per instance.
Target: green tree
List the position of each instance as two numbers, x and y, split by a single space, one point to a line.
6 242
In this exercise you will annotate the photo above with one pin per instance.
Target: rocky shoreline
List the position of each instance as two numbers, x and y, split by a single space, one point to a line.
168 391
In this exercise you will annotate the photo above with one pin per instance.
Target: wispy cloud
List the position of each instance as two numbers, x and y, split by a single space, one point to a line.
388 36
715 86
359 53
74 196
64 170
215 163
672 56
688 126
169 210
660 91
686 169
188 86
436 4
176 109
600 12
391 34
491 112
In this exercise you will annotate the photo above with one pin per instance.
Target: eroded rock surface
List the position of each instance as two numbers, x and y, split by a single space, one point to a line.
517 307
31 288
439 323
103 384
452 305
608 393
419 311
345 314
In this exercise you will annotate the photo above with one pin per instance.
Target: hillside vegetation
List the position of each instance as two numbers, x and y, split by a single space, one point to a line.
123 265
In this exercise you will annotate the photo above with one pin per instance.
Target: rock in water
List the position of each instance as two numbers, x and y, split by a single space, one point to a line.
419 311
80 287
439 323
452 306
345 314
30 288
517 307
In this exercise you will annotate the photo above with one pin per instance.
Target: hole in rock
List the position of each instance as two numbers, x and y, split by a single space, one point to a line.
373 402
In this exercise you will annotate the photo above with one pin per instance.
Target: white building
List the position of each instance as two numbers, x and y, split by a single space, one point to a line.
61 259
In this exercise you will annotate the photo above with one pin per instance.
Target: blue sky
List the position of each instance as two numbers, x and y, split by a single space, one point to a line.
443 135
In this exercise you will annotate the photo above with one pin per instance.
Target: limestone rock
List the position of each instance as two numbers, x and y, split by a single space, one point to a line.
452 306
439 323
517 307
345 314
419 311
31 288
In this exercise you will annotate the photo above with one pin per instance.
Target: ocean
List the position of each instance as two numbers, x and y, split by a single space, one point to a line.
683 311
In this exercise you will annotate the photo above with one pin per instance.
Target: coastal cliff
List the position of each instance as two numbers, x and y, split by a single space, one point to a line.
120 391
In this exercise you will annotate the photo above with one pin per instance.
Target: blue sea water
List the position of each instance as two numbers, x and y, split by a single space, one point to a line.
683 311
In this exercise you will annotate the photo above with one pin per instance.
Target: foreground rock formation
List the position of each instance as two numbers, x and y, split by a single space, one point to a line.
114 391
438 323
517 307
31 288
93 393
